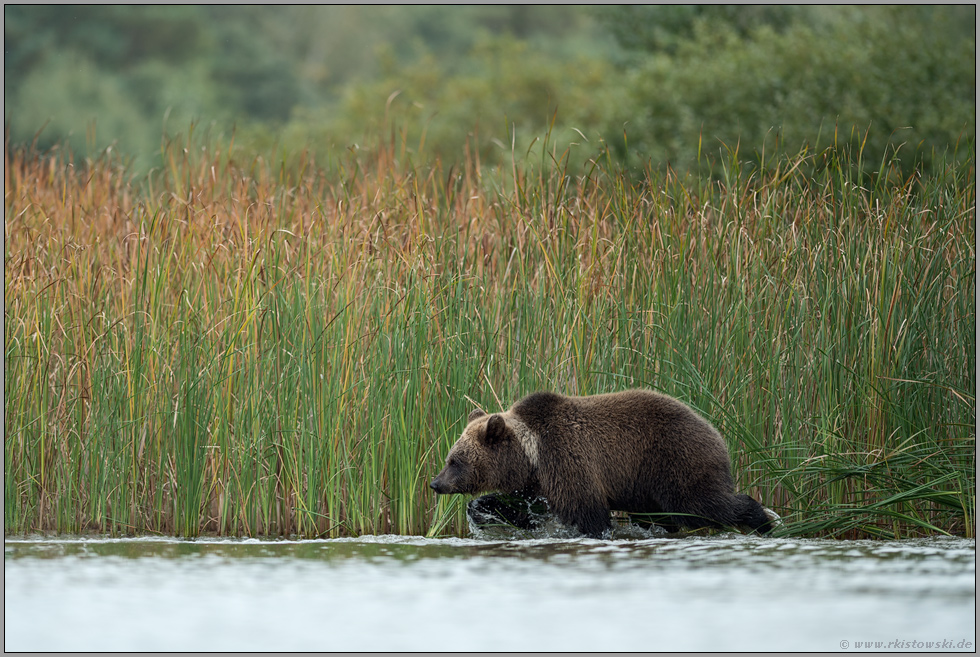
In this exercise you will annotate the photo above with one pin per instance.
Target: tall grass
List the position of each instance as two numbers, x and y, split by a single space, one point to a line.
246 348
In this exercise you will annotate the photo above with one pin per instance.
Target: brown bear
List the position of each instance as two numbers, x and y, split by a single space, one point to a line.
636 451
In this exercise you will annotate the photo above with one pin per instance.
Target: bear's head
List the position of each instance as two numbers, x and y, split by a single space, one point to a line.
495 453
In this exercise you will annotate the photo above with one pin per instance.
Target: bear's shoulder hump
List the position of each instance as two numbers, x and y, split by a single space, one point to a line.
537 405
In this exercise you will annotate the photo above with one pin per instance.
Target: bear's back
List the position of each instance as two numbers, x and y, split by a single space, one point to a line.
632 420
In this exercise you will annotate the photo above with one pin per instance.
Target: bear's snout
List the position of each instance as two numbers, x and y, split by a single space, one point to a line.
439 486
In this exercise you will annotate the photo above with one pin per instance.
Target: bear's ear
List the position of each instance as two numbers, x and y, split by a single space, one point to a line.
496 430
475 413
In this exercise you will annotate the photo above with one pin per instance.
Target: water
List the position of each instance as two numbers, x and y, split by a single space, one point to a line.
724 592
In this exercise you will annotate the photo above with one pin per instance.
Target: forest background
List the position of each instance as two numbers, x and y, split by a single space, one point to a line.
659 83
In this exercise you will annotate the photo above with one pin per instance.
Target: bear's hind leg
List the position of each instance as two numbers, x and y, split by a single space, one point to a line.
718 511
731 512
678 511
751 514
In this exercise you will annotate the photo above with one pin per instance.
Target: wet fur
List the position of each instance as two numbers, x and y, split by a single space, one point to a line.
636 451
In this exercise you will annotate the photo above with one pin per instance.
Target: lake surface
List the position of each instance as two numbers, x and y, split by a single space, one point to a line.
397 593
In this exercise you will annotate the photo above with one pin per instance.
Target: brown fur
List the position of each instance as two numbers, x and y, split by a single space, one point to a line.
636 451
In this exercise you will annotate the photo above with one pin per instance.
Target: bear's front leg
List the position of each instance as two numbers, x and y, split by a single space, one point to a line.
518 509
590 519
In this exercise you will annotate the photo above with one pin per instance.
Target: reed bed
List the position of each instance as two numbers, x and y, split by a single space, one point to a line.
241 347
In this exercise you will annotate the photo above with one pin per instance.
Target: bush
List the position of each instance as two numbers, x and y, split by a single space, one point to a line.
854 83
503 95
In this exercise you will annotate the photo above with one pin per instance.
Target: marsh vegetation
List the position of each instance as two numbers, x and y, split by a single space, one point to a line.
261 347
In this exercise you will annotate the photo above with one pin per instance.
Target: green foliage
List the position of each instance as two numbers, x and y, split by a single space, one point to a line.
113 36
653 28
853 81
503 97
72 83
95 76
659 84
254 78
